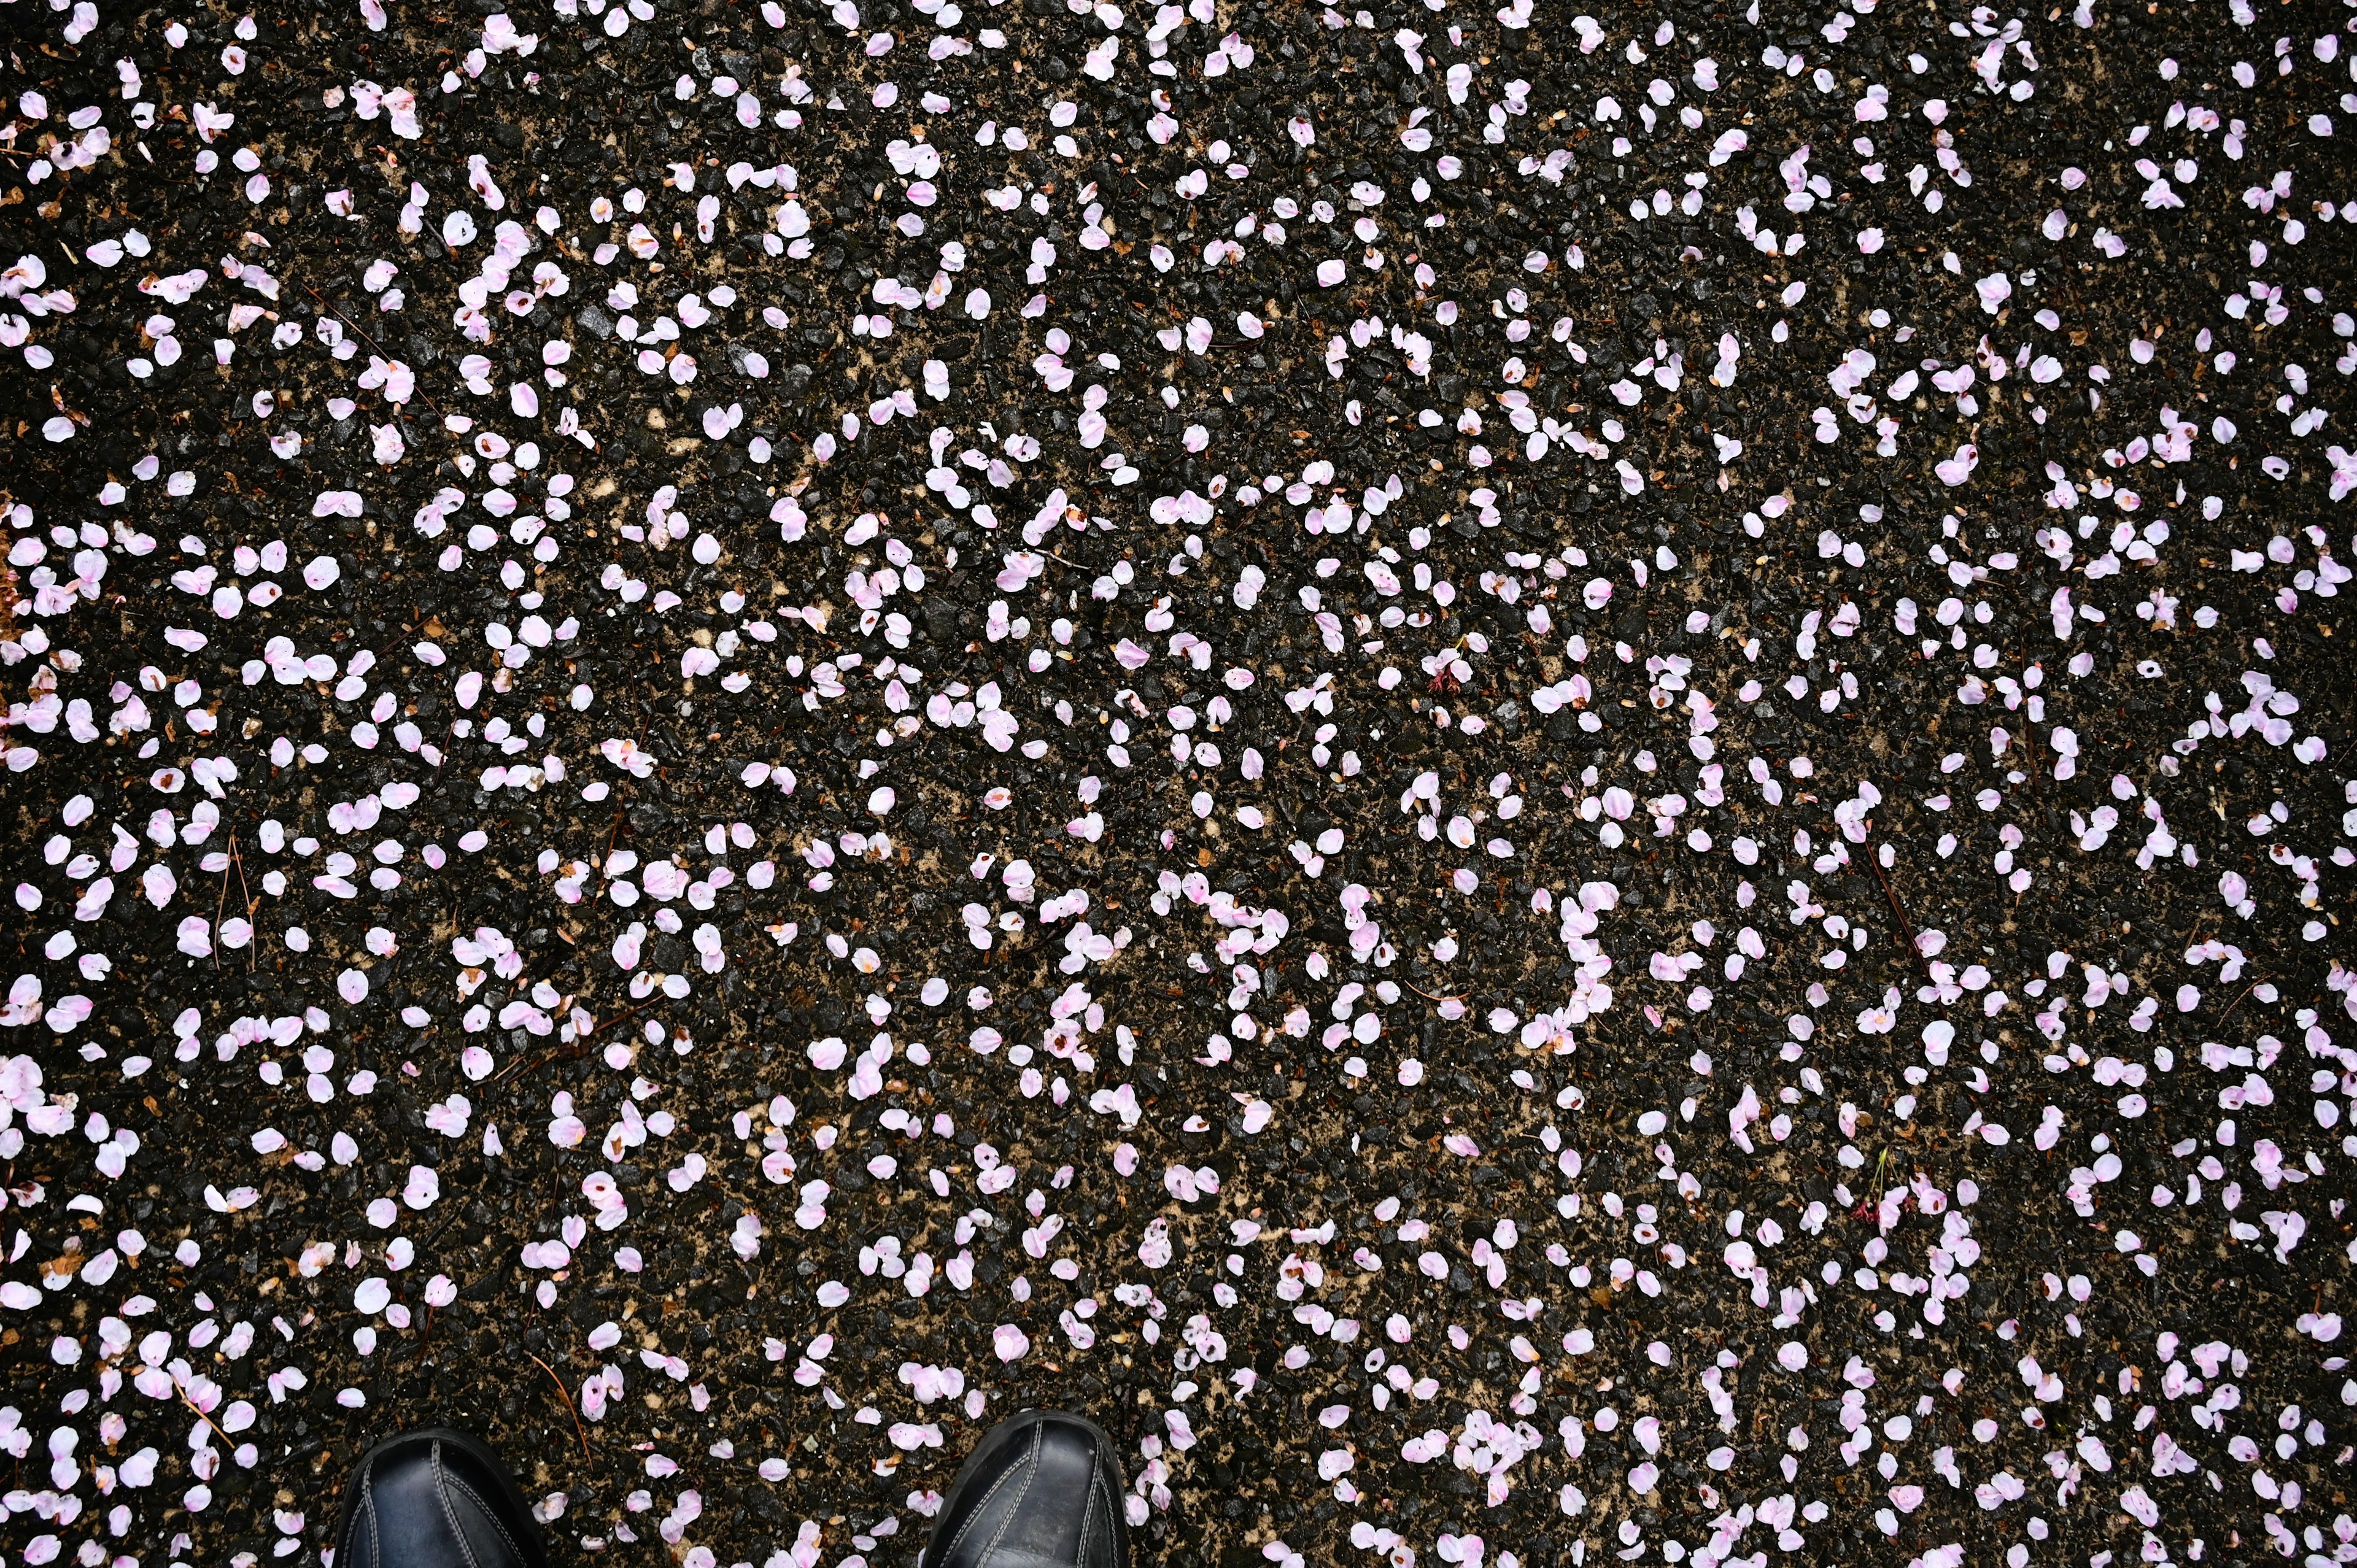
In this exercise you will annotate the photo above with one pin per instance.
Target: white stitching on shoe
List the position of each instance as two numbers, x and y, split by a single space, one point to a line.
514 1550
466 1547
1101 1483
1030 1478
949 1551
367 1517
1030 1466
1088 1513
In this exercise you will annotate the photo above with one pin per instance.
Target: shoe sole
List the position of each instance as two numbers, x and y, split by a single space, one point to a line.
465 1441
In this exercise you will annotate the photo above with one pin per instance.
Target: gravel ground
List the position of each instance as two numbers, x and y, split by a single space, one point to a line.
1535 785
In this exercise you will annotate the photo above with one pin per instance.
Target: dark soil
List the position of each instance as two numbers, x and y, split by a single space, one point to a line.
2126 973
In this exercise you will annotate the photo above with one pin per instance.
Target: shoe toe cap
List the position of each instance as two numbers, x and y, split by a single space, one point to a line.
1044 1491
433 1498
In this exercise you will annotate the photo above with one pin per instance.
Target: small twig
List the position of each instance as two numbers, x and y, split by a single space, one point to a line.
2237 1001
237 858
372 342
521 1068
566 1395
206 1419
619 1017
578 1046
1905 926
221 902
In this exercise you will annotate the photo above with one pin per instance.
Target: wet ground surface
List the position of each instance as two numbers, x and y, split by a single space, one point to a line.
1535 785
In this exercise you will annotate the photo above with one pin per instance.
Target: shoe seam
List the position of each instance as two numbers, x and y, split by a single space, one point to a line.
514 1548
1113 1519
449 1514
1099 1508
1029 1465
1089 1512
1038 1437
367 1517
949 1549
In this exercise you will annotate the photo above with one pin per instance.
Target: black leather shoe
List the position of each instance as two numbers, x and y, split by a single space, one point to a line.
434 1499
1044 1490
